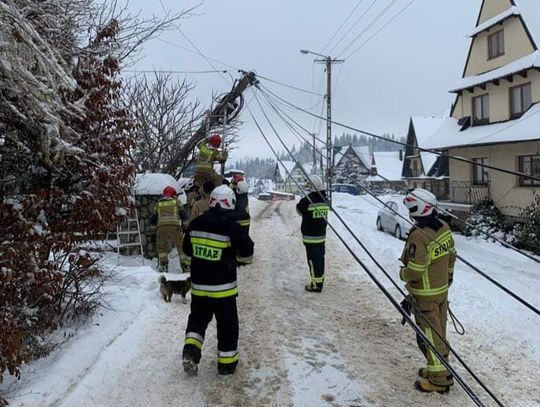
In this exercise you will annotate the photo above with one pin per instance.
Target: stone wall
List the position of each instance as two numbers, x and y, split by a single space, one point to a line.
146 207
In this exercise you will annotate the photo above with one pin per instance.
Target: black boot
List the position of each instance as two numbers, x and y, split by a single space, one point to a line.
226 369
190 366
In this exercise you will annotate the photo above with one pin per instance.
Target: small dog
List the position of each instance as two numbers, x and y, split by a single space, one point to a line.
168 288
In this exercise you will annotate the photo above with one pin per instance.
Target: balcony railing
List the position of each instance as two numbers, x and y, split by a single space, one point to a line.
467 192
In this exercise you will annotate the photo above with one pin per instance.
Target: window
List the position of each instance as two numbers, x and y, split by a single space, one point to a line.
480 174
496 44
520 100
481 109
529 165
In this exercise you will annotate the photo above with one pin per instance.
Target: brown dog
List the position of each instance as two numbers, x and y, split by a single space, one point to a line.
168 288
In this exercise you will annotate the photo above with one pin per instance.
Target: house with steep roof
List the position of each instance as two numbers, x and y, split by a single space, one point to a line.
494 119
421 169
288 174
386 168
352 165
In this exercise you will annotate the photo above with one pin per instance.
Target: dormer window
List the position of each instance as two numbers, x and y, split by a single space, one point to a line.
481 109
496 44
520 100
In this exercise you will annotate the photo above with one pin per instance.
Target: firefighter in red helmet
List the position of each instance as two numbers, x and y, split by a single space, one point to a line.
169 213
209 153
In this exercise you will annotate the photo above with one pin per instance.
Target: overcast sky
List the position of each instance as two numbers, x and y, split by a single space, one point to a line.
403 71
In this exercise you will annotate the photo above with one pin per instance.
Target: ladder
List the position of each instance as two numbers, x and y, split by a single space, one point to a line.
128 236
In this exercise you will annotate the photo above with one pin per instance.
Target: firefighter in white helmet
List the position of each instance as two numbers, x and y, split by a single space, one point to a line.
314 210
217 245
428 266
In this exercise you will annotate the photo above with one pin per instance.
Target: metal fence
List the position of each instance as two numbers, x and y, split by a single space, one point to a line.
466 192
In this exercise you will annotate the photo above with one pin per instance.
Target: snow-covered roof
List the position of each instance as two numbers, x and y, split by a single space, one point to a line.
424 128
526 62
530 12
388 165
363 153
512 11
153 184
285 167
526 128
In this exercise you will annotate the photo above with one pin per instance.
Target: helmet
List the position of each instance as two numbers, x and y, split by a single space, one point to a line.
214 140
420 203
237 178
315 182
242 187
169 192
222 197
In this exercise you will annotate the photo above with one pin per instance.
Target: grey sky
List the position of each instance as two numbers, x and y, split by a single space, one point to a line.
405 70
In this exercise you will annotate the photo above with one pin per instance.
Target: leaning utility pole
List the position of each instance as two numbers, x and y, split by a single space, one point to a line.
328 61
226 110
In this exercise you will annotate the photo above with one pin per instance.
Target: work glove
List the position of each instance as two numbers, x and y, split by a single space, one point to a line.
406 304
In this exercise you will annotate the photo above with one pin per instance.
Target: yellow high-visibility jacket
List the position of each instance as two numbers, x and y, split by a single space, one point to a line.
428 263
169 212
207 156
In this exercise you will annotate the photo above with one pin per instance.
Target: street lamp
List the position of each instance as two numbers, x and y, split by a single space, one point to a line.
329 153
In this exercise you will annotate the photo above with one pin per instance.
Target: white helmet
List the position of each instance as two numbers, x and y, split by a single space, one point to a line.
242 187
420 203
222 197
315 182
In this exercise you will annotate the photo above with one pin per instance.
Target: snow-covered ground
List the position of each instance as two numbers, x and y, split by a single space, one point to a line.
344 347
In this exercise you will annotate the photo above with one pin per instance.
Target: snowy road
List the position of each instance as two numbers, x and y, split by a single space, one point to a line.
344 347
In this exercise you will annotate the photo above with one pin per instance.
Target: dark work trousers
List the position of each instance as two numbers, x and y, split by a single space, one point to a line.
315 258
202 311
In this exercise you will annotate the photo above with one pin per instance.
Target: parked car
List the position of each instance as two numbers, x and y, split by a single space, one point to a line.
388 221
346 188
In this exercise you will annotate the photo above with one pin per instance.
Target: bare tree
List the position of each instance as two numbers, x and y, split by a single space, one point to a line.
163 120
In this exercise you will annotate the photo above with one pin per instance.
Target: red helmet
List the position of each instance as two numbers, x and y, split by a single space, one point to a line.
214 140
237 178
169 192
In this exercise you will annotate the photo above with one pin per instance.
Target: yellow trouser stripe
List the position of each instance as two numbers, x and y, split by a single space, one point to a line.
194 342
228 360
214 294
247 260
436 366
246 222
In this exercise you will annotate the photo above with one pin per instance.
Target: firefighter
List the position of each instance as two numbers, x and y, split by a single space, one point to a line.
217 245
241 189
208 154
201 205
169 213
314 211
428 258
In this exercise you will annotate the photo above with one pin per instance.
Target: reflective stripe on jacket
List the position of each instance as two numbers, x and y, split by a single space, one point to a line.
207 156
168 212
314 211
216 244
428 261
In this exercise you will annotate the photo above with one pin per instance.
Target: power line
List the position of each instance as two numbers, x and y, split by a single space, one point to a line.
169 71
409 320
353 26
472 266
427 150
382 28
341 26
289 86
371 24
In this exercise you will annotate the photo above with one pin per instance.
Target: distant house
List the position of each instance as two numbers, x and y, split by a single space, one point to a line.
288 174
494 119
386 168
423 169
352 165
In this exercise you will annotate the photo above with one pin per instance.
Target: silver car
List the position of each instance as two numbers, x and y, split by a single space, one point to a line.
388 221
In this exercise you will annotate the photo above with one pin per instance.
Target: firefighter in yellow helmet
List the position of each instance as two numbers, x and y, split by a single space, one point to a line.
168 229
428 258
